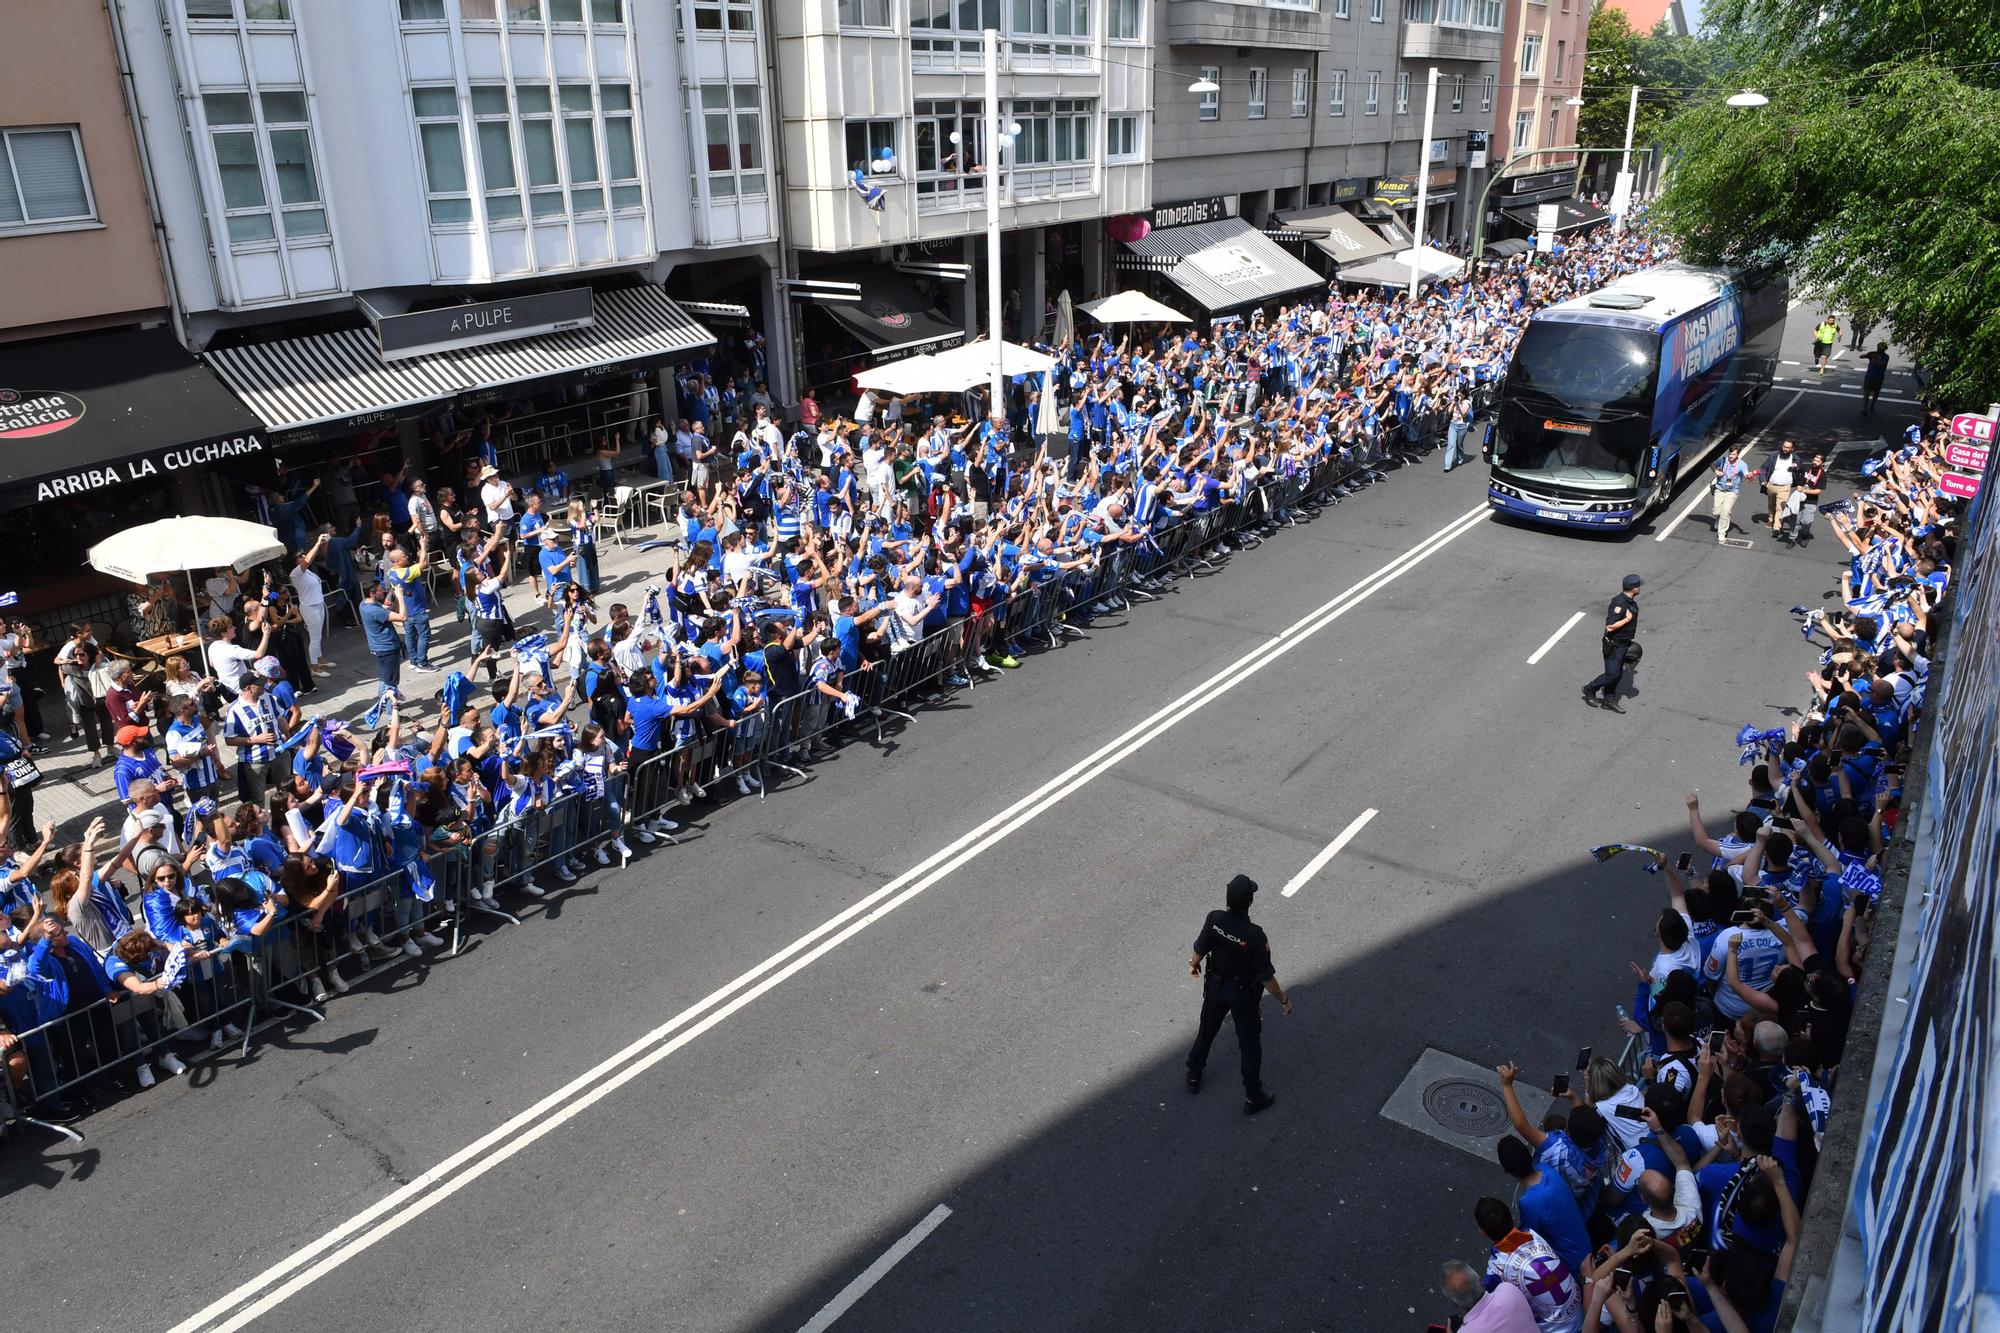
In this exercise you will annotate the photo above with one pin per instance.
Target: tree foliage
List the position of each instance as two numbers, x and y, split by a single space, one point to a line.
1672 73
1873 175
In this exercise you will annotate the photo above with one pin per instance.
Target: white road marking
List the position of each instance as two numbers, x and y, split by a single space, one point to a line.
1837 393
1327 853
1555 638
405 1204
1701 492
875 1272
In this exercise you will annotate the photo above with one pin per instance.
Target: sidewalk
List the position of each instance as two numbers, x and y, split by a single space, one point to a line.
73 790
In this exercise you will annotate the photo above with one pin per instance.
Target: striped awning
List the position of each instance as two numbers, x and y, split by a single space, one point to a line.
1226 263
722 312
325 377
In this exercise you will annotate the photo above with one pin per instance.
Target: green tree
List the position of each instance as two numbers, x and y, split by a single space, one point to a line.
1873 174
1671 72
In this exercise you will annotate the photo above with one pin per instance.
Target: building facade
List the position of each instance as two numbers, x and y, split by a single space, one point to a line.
382 220
881 105
1321 101
1542 69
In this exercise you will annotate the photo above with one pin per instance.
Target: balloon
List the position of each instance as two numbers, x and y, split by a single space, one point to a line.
887 155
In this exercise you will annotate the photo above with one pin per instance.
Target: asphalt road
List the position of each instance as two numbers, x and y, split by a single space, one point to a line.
1004 1033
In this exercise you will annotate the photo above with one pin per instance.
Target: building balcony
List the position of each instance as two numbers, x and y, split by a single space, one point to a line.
1215 23
1449 41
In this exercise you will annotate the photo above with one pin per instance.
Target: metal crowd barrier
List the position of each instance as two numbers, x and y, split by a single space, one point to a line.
285 975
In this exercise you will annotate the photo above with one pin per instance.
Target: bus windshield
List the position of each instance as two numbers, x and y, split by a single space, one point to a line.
1578 401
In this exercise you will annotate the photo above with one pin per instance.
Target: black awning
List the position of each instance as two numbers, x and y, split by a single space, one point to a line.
893 318
101 409
1570 215
1506 249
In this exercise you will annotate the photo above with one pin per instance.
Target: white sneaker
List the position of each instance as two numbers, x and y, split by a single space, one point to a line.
428 940
319 992
699 790
486 893
532 889
575 864
413 949
335 982
367 937
564 873
644 834
756 782
145 1073
603 855
742 784
624 852
170 1062
216 1041
665 825
232 1032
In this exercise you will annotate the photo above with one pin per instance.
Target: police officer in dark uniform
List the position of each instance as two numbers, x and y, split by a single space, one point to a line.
1239 972
1621 632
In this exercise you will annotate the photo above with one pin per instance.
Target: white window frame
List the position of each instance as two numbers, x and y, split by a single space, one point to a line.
956 186
300 208
626 194
1260 93
546 199
1371 103
874 128
1531 55
1458 92
734 110
1402 92
490 192
725 16
1524 130
867 15
1336 97
1486 82
1302 92
1556 70
30 226
1342 10
457 121
1375 11
1133 28
1123 138
1487 15
237 7
1210 105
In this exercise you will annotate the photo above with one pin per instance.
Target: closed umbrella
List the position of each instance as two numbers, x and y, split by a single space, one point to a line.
184 545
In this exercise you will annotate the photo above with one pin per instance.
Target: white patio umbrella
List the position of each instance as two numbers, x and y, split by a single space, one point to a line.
972 363
913 374
184 545
1132 308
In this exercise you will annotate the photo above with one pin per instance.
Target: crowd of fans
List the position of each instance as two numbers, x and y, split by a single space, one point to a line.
261 853
1662 1193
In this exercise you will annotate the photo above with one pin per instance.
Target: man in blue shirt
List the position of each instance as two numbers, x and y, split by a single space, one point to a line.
1730 470
382 624
1547 1207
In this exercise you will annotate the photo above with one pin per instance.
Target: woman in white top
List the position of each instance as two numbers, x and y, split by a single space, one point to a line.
312 601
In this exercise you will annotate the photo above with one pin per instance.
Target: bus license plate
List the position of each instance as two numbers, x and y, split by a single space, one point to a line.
1552 513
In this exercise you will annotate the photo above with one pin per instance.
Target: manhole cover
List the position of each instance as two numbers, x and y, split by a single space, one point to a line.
1465 1107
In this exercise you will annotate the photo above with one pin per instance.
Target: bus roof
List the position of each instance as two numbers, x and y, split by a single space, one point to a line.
1670 291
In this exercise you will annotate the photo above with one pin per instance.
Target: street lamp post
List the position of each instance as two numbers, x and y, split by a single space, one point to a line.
994 320
1422 227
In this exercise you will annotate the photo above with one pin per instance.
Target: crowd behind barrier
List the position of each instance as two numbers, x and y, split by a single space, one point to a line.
800 607
1663 1193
